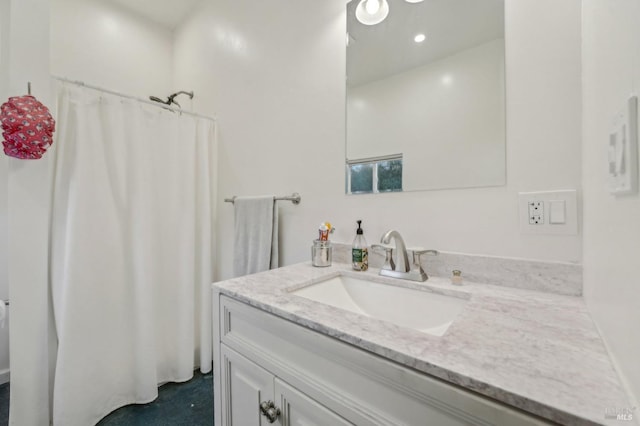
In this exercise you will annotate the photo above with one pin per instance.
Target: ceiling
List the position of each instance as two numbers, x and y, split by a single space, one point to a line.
379 51
168 13
382 50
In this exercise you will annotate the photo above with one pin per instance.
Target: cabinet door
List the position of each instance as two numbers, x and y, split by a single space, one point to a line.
298 409
244 387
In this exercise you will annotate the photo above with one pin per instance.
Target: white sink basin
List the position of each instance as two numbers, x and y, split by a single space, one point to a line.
420 310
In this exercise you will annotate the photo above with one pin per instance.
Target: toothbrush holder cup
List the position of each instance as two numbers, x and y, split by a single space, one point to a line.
321 253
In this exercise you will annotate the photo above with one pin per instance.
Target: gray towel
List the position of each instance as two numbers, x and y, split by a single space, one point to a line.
256 235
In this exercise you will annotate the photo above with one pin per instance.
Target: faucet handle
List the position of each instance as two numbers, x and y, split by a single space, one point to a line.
388 259
419 251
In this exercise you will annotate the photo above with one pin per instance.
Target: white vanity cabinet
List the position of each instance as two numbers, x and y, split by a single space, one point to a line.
248 386
315 379
300 410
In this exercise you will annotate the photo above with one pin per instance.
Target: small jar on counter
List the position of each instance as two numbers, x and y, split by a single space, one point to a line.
456 278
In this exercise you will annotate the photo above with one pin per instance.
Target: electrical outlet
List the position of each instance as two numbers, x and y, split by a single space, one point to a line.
536 212
548 212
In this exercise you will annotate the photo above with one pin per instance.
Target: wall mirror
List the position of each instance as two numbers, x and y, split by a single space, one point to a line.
425 95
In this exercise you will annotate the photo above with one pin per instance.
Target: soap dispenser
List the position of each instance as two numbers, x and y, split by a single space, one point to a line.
359 250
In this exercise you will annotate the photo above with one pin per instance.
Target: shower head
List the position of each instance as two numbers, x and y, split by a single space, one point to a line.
171 99
156 99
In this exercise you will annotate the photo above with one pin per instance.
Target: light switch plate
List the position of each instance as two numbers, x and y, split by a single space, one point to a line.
559 212
623 151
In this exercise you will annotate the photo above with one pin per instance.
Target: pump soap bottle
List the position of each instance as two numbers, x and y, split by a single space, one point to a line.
359 251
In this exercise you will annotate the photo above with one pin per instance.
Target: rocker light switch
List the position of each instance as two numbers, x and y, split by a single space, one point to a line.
557 212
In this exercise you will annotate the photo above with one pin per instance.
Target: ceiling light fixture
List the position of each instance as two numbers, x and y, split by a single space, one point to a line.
419 38
372 12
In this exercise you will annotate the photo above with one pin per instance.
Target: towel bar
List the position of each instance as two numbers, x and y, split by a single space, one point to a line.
294 198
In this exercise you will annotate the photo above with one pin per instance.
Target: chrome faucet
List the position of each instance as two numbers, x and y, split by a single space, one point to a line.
401 249
401 268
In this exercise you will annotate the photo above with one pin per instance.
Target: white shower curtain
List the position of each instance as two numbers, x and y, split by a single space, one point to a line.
131 251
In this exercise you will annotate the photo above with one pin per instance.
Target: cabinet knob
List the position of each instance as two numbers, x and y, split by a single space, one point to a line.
269 410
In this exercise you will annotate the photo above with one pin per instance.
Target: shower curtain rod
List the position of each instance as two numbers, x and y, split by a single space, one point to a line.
122 95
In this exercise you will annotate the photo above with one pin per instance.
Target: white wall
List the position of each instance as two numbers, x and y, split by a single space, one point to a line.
611 224
28 201
447 118
276 84
4 187
101 43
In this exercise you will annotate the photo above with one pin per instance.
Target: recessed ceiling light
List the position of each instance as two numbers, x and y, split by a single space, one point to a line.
372 12
413 1
419 38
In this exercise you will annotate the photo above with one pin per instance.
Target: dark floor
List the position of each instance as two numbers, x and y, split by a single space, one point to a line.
178 404
4 404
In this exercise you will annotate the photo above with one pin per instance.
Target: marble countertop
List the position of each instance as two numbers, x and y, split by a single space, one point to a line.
536 351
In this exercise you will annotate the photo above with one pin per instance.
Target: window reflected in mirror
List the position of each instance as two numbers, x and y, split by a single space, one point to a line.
373 175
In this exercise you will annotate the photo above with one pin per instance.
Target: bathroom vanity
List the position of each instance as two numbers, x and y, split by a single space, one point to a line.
284 355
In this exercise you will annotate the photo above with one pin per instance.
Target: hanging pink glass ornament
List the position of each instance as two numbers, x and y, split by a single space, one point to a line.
27 127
